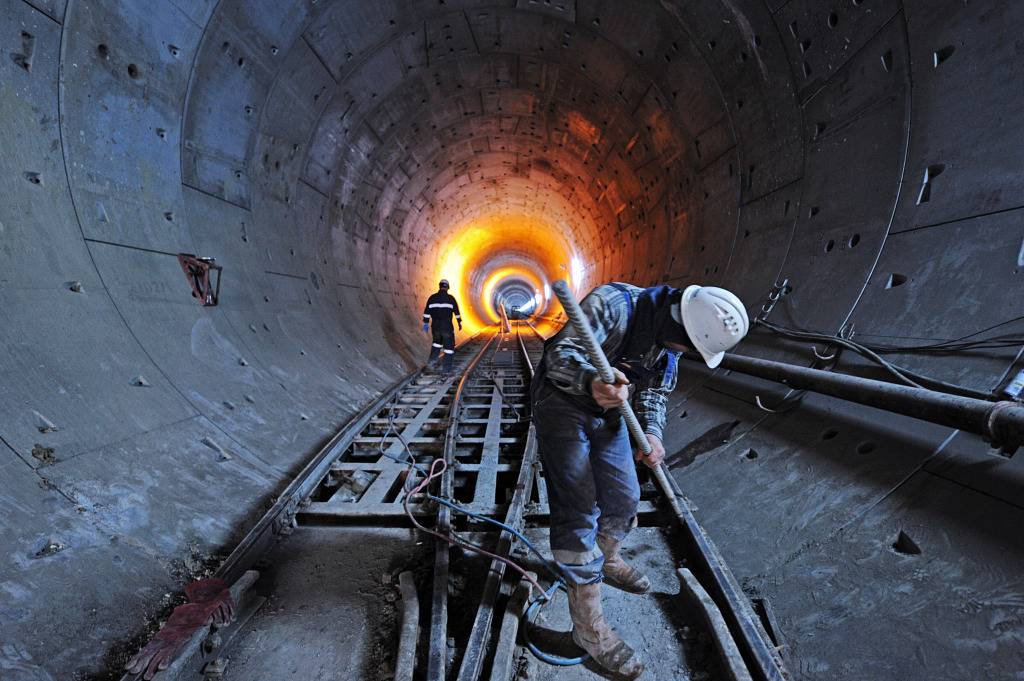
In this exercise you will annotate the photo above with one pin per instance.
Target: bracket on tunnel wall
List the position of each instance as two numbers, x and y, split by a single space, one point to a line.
778 290
197 270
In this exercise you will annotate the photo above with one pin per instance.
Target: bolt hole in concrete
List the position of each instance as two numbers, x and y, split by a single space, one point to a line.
751 454
866 447
103 51
46 547
133 71
829 433
830 245
833 20
904 544
887 61
896 280
854 240
943 54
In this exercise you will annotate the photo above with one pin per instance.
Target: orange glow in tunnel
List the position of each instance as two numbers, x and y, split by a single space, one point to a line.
497 277
489 252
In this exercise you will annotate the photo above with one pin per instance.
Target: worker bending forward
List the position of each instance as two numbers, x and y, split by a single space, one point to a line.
437 318
584 444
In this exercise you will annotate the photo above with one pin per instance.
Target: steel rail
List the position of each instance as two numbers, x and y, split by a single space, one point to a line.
522 344
258 541
476 648
1000 423
280 516
437 654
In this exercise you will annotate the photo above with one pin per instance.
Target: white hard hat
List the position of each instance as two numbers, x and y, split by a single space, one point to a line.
714 319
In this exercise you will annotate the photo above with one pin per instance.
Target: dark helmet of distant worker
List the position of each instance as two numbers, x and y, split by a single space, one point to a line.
444 284
714 319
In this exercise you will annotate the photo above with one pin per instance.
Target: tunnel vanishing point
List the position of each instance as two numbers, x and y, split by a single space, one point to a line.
846 167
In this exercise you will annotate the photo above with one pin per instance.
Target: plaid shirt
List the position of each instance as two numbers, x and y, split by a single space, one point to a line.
569 368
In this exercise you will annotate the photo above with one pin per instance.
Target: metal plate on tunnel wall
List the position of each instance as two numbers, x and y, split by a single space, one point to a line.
230 235
856 127
224 381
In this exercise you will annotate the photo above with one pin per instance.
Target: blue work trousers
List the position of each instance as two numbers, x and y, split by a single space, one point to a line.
591 479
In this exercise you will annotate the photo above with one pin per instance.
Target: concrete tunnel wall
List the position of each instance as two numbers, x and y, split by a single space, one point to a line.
333 156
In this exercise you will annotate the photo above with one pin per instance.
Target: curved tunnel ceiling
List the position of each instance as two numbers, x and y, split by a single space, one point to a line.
434 121
339 157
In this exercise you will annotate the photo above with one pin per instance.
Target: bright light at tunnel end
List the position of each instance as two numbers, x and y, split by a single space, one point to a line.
505 258
576 273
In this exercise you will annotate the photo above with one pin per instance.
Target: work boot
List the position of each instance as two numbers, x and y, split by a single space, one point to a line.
591 631
617 571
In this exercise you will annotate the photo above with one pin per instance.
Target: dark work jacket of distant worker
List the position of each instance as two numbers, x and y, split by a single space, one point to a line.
439 310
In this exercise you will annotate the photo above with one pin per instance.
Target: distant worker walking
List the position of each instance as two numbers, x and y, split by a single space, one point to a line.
437 317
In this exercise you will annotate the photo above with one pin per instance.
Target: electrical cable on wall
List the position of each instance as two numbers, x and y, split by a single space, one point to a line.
904 375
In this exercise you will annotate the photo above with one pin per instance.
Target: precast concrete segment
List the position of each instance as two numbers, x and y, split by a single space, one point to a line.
865 152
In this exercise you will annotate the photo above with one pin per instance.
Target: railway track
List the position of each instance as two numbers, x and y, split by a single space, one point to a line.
346 576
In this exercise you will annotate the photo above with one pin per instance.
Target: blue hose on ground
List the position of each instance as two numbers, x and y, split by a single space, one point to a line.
504 527
544 657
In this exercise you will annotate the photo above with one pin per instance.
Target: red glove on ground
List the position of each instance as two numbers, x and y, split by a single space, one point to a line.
211 600
213 592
